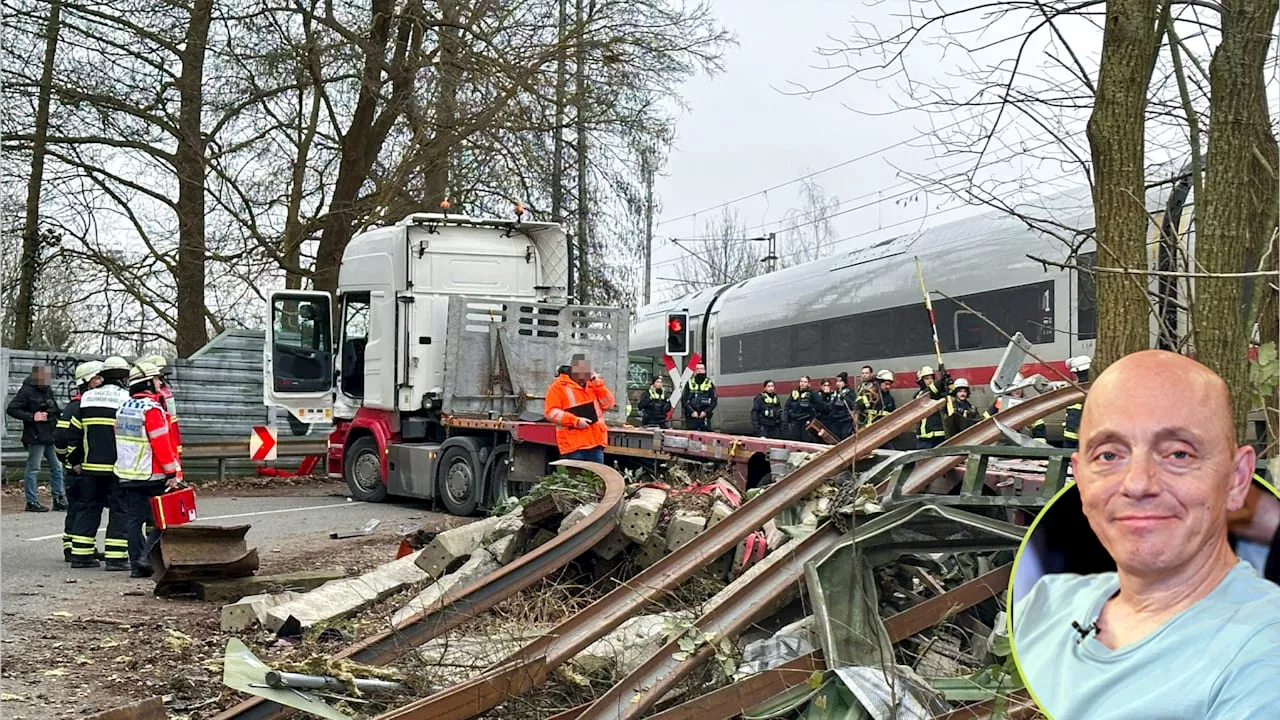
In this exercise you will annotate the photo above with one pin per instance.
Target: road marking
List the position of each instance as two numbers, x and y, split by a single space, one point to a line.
228 517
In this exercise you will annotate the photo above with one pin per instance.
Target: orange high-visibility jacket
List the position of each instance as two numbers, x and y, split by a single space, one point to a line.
564 393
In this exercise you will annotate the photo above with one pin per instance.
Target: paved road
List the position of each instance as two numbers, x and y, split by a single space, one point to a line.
35 575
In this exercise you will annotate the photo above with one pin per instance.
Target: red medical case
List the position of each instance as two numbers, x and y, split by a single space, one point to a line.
174 508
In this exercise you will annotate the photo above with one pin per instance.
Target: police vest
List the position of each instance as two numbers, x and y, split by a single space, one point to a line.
1071 423
804 402
134 458
772 408
698 393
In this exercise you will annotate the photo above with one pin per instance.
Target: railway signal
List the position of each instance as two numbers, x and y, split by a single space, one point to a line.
677 334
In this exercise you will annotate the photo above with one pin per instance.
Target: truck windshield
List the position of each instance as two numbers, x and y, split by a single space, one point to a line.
302 351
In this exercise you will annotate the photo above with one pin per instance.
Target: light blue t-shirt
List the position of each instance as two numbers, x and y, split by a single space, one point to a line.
1217 660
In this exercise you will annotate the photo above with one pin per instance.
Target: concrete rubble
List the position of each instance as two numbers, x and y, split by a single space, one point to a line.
479 564
340 598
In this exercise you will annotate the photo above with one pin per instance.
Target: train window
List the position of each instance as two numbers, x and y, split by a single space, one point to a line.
1086 296
968 329
807 348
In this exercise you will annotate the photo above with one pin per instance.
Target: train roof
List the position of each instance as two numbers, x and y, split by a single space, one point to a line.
988 233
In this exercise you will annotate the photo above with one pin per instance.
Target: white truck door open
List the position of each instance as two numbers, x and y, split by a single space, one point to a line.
297 358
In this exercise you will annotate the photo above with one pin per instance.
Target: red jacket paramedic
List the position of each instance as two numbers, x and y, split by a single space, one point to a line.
579 438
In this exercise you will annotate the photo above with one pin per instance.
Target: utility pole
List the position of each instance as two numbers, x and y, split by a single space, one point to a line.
646 169
771 260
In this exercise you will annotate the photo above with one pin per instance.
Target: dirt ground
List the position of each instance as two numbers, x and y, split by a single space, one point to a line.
109 650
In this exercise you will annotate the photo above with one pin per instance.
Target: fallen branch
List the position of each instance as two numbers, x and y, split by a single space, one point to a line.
1154 273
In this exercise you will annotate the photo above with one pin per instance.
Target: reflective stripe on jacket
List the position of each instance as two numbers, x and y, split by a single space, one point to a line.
171 409
144 449
564 393
93 428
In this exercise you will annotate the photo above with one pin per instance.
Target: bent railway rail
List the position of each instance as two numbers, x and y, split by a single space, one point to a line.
457 607
531 665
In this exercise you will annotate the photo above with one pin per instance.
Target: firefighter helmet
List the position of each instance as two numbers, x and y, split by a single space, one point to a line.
115 362
86 370
157 360
960 383
143 371
926 370
885 375
1080 363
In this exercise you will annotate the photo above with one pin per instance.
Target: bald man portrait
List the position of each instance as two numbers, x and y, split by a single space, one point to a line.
1184 629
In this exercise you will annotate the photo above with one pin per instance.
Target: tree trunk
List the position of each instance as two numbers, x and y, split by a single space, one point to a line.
1238 210
189 165
24 304
557 151
446 117
1116 135
583 195
357 155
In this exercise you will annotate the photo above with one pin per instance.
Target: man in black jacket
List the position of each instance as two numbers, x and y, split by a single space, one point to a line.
699 400
35 406
766 413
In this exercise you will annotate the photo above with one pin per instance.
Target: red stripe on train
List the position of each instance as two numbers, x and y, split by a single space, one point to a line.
903 380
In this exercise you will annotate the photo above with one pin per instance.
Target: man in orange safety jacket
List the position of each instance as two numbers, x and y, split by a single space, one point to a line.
576 402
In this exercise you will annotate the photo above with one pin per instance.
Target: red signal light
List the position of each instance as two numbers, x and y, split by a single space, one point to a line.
675 325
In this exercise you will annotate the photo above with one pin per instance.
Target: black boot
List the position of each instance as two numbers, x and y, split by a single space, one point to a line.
60 503
117 565
36 507
141 571
84 562
66 554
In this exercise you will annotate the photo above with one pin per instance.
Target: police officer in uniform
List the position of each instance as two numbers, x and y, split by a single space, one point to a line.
1071 424
87 378
699 400
843 406
654 406
824 398
801 408
93 434
961 414
766 412
932 429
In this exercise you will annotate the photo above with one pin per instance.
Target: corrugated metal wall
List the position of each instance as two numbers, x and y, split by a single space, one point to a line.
218 390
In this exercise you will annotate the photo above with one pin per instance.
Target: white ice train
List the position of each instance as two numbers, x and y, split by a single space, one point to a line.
865 308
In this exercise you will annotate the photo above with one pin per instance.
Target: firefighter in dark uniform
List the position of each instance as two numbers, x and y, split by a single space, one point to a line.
699 400
1071 423
766 413
87 378
961 414
1016 398
932 430
801 408
654 406
93 435
843 406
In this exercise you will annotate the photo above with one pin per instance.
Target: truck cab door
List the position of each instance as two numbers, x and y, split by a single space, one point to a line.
297 358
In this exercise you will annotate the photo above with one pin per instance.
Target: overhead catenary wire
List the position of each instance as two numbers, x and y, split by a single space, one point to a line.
879 198
815 173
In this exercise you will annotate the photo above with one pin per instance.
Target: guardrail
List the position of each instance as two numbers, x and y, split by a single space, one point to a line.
222 451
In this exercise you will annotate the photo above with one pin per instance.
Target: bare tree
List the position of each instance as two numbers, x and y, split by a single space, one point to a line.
724 254
1025 105
808 231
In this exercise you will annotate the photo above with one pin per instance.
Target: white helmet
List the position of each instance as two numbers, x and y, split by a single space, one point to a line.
926 370
885 375
115 362
960 383
1080 363
157 360
143 371
86 370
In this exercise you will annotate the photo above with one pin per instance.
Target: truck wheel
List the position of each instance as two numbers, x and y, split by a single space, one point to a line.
362 469
497 476
457 481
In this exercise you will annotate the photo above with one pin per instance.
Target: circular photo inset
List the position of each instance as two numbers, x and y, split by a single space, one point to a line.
1159 605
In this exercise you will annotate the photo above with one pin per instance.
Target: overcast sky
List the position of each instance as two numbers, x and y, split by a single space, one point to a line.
741 132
